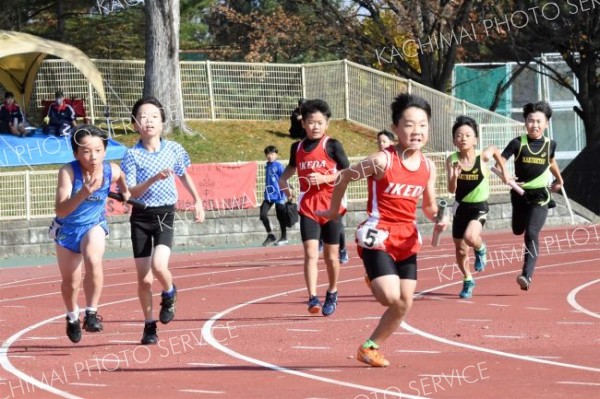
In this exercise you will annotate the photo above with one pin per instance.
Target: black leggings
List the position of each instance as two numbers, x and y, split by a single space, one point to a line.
279 211
528 219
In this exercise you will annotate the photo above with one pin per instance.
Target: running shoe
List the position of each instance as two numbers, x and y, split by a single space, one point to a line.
149 337
269 240
314 305
467 291
167 306
344 256
372 357
480 258
282 241
73 330
92 322
330 303
524 282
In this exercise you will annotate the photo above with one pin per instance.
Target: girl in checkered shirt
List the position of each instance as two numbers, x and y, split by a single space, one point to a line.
150 167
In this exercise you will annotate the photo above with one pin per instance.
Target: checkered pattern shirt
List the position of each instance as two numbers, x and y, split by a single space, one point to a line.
140 165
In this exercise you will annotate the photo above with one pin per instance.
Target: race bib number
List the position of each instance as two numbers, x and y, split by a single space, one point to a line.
371 238
54 229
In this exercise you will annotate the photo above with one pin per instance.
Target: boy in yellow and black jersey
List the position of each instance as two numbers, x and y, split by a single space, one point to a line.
534 164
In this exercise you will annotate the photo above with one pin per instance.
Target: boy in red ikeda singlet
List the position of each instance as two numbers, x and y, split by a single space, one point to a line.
318 160
388 241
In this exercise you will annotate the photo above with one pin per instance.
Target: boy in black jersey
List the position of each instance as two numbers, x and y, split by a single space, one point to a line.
534 162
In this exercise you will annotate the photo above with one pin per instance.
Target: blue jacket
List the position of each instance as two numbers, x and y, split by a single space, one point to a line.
273 171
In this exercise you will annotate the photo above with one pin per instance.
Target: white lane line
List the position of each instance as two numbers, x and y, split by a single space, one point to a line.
17 306
506 336
42 338
316 348
497 304
302 330
590 384
573 302
207 364
575 322
85 384
202 391
207 334
415 351
534 308
326 370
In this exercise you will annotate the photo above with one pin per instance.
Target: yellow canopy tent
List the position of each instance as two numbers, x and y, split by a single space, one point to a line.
22 54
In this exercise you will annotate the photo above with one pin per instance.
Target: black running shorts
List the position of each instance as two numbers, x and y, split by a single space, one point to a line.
151 227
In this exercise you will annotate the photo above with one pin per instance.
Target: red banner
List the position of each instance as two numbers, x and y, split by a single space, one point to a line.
221 187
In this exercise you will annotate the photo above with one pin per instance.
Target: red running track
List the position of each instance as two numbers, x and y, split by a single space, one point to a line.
242 330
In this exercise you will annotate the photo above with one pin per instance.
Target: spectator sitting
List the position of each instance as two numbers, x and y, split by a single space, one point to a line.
11 117
61 117
296 129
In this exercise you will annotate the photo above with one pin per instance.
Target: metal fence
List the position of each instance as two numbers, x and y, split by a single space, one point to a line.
248 91
31 194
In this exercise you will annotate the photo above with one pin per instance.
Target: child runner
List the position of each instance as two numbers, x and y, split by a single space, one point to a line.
80 227
318 160
384 139
388 241
273 195
468 177
534 162
150 167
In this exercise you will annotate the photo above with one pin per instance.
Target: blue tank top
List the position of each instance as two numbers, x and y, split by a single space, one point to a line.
92 209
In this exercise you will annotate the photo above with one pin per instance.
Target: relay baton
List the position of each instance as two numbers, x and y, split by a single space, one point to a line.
435 238
131 201
518 189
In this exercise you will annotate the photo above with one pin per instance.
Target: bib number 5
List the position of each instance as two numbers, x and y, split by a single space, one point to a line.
370 237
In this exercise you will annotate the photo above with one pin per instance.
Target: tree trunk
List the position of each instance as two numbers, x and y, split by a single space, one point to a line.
162 75
60 21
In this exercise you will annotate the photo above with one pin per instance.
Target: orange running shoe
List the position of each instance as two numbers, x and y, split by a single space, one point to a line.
372 357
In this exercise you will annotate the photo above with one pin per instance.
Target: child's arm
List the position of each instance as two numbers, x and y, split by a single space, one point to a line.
283 180
492 152
452 172
429 206
119 177
139 189
187 181
558 182
65 203
375 164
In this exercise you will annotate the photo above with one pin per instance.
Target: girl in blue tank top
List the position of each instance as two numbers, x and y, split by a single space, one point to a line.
80 227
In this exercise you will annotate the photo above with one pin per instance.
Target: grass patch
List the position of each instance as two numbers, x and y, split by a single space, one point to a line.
231 141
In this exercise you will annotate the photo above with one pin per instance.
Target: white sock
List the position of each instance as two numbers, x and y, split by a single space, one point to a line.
74 315
91 309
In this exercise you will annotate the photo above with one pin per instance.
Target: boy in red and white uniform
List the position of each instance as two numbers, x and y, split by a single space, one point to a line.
318 160
388 241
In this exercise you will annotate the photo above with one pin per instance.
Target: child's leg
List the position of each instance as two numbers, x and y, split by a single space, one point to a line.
145 278
462 257
472 236
264 217
310 231
397 295
160 266
280 211
331 237
92 249
69 264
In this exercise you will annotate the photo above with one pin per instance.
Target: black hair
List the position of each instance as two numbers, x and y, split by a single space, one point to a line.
270 149
313 106
300 101
404 101
147 100
82 131
9 94
541 106
387 134
463 120
59 94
